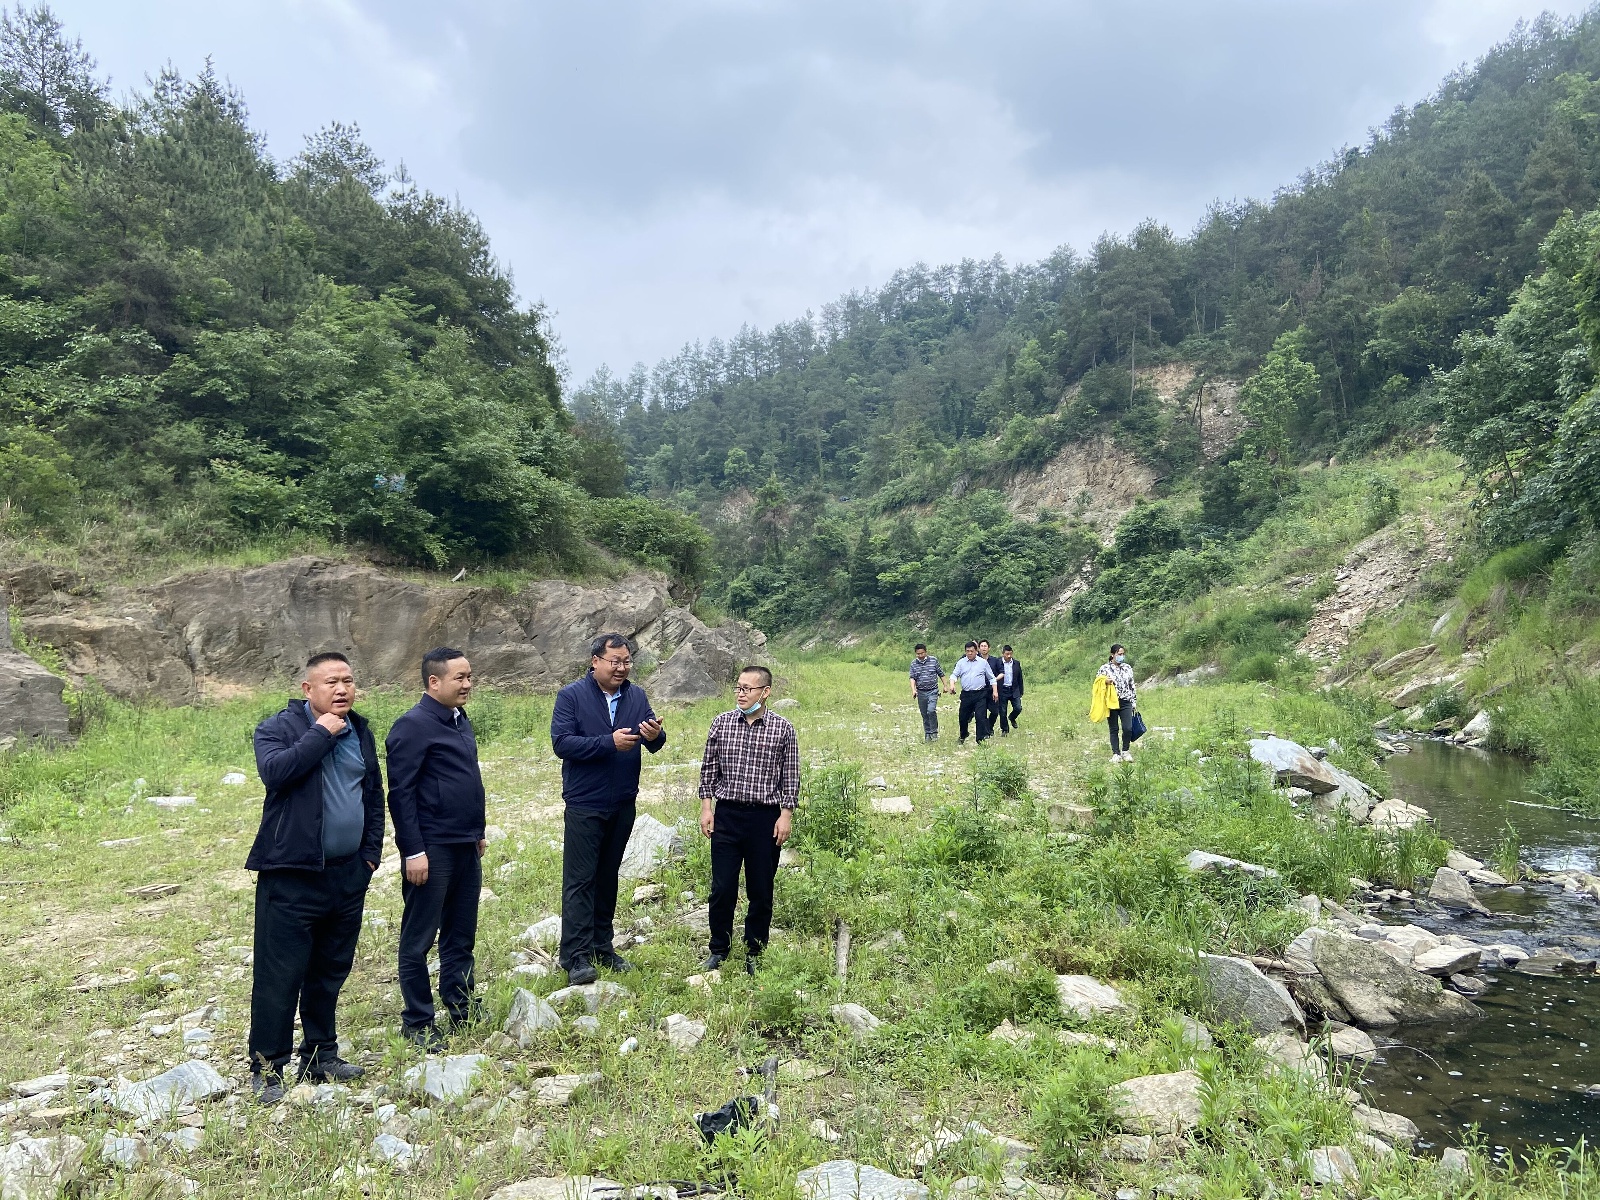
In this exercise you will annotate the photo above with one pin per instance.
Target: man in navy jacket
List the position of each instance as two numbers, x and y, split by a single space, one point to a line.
437 802
597 728
320 839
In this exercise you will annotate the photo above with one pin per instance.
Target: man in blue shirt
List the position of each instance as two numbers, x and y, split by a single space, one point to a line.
597 727
974 679
320 839
437 800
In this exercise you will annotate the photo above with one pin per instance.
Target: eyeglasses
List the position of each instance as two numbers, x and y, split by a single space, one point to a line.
743 687
618 662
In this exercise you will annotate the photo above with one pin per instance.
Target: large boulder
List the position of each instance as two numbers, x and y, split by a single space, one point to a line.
31 707
650 844
1239 992
1292 765
39 1168
1160 1104
1376 990
705 662
1451 889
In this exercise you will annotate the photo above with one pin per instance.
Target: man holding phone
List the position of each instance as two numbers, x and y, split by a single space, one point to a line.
596 730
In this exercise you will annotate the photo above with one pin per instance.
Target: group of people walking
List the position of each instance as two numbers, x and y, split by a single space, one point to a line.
990 687
322 827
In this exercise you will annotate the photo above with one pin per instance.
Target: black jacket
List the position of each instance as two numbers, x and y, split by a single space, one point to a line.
594 773
999 665
435 790
290 748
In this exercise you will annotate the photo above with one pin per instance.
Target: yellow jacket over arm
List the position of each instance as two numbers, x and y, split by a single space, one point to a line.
1102 698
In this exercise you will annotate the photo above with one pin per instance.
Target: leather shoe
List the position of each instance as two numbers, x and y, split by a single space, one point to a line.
581 973
332 1070
713 961
426 1038
268 1088
612 961
751 963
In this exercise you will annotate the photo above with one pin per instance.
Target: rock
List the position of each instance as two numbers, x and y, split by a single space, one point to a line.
158 1097
1412 939
525 1139
1396 814
1458 861
594 996
557 1091
856 1019
649 845
1391 1127
1415 691
39 1168
1070 816
1487 878
1479 727
1445 960
1194 1033
1238 991
545 932
390 1149
1083 996
530 1015
1350 1042
1471 986
701 667
841 1179
1351 795
1201 860
31 708
1286 1052
786 702
185 1141
1078 1041
586 1025
570 1187
1451 889
1293 765
1377 991
1551 961
1131 1147
1332 1165
705 982
448 1078
59 1081
124 1152
1158 1103
682 1032
1406 659
878 782
234 779
1010 1034
648 893
822 1131
891 806
1507 953
1455 1165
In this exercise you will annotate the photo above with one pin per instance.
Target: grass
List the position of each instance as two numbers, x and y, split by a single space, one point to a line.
974 876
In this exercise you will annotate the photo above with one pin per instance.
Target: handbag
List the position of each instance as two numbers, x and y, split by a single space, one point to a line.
1136 726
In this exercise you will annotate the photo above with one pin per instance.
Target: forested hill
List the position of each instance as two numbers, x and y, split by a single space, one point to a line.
1340 302
205 350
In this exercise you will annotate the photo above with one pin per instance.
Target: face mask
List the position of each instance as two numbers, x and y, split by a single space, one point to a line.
1122 658
752 710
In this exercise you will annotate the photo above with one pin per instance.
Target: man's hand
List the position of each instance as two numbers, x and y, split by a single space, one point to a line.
784 826
707 818
483 844
371 866
650 730
417 870
332 723
994 693
624 739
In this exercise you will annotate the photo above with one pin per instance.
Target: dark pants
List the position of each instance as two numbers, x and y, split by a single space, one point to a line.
742 834
1010 710
446 908
975 704
928 705
307 923
1121 718
594 844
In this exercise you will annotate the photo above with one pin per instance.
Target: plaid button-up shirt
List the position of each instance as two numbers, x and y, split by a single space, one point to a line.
751 762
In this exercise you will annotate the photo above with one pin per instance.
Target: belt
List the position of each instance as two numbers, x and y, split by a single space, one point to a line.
749 803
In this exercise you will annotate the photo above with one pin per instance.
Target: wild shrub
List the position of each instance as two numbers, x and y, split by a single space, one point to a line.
1381 503
1073 1112
832 814
962 835
1445 704
1001 773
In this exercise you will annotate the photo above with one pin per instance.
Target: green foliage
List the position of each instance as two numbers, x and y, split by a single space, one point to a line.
651 533
832 815
1073 1112
1445 704
1381 504
1247 638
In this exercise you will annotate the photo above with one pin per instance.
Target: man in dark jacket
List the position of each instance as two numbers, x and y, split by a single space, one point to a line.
597 728
992 705
320 840
1008 679
437 802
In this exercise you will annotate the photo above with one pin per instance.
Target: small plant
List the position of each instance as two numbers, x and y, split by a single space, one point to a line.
1073 1112
1380 505
1444 705
1508 855
962 835
1415 853
1002 773
832 816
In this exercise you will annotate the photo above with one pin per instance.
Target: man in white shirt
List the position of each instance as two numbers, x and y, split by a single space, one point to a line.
973 678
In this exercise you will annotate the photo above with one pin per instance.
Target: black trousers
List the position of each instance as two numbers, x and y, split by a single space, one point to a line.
307 924
975 704
589 861
1121 718
928 706
742 835
1010 709
445 908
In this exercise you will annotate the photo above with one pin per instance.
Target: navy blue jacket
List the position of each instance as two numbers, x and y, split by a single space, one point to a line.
435 791
594 773
290 748
999 665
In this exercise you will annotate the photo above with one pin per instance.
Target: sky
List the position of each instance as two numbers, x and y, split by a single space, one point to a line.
662 171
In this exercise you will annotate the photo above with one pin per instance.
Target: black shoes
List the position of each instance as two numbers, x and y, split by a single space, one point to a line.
581 973
267 1088
612 961
333 1070
713 961
751 962
426 1038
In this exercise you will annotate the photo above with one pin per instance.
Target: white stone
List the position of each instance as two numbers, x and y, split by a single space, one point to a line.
1446 960
1391 1127
545 932
172 801
448 1078
575 1187
682 1032
532 970
1479 726
594 996
822 1131
705 982
628 1046
60 1081
1333 1165
1350 1042
1451 889
1396 814
393 1150
160 1096
649 845
125 1152
1201 860
1238 991
841 1179
530 1015
856 1019
1458 861
1285 1052
892 806
1509 954
1455 1164
39 1168
557 1091
1079 1041
1158 1103
1084 996
648 893
1488 878
234 779
186 1140
1010 1034
493 834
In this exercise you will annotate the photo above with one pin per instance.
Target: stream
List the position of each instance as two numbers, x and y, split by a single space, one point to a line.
1517 1073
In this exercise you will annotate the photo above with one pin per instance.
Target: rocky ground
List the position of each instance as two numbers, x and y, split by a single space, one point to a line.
983 981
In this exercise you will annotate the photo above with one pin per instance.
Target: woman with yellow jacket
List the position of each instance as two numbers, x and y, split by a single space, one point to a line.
1114 699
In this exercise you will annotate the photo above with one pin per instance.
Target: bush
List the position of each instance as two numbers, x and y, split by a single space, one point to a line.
961 835
1380 505
832 816
1445 705
1001 773
36 476
651 533
1073 1112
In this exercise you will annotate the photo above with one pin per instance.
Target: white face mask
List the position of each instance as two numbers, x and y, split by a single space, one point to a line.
752 709
1121 658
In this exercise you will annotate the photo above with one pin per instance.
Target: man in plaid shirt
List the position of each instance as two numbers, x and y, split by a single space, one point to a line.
749 787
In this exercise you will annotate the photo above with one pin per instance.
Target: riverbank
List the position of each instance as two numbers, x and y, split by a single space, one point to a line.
963 912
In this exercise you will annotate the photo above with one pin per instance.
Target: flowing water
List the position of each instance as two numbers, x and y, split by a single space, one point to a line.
1517 1074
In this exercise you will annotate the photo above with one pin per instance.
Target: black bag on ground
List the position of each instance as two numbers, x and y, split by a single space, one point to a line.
738 1113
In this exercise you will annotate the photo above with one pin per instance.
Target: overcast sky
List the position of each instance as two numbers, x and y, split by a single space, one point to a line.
659 171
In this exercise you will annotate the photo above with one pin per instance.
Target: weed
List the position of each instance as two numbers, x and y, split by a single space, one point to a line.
1073 1111
832 816
1507 857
